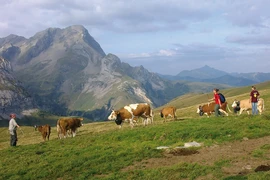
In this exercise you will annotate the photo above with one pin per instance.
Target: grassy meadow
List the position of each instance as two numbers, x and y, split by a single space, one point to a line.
103 151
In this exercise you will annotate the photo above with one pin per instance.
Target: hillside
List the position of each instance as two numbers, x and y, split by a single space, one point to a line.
233 147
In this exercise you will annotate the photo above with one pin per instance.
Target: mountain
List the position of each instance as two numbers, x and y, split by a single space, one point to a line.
255 76
205 72
67 73
13 97
211 75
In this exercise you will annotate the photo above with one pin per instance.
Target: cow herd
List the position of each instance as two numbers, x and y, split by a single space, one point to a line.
65 126
132 112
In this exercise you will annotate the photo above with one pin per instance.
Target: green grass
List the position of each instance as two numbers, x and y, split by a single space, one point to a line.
104 154
103 151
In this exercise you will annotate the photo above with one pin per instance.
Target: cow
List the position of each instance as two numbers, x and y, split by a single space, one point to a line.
168 112
209 108
131 113
68 123
245 105
45 131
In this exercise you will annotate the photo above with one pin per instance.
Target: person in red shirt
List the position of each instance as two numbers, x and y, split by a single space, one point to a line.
254 97
217 101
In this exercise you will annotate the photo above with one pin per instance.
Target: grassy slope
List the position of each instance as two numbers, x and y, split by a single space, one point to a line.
102 151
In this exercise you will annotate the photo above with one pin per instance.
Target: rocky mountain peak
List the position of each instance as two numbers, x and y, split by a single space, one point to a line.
5 65
12 40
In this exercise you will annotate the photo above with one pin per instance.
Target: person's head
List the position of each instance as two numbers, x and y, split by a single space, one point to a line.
12 115
215 90
253 87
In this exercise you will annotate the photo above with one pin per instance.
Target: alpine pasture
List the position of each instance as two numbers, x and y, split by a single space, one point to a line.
233 147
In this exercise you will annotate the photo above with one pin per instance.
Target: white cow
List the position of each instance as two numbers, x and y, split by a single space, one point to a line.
245 105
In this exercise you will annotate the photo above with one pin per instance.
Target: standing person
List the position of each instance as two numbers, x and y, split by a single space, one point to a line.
217 101
13 130
254 97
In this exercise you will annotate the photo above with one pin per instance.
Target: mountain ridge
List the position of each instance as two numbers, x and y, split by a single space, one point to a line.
212 75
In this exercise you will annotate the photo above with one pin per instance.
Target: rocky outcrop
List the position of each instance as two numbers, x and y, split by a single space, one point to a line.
13 97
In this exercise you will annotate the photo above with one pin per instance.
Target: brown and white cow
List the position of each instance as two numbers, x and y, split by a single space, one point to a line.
68 123
209 108
131 113
168 112
45 131
245 105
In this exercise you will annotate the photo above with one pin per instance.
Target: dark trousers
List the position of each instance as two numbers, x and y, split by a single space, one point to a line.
217 112
13 139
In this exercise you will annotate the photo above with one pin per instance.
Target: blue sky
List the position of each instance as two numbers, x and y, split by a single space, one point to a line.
165 36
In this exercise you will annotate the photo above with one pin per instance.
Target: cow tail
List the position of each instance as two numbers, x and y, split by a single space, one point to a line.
228 108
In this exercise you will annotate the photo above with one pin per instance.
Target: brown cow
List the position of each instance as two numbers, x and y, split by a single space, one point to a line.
45 131
168 112
68 123
209 108
131 113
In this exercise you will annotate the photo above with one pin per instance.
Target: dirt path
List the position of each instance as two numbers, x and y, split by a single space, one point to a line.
239 153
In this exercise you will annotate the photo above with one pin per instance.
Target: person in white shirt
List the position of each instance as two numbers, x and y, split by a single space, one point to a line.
13 130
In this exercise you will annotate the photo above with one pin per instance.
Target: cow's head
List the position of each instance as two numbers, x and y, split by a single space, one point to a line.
200 111
113 115
235 104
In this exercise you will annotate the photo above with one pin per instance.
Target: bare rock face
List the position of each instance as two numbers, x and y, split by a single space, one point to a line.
13 97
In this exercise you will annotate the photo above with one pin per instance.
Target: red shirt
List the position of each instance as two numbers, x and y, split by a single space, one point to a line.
217 99
254 96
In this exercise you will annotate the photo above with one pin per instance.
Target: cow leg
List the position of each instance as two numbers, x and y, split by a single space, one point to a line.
73 133
145 120
64 132
58 131
149 119
222 111
241 110
131 121
44 136
260 110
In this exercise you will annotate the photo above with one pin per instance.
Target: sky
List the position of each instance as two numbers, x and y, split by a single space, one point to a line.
164 36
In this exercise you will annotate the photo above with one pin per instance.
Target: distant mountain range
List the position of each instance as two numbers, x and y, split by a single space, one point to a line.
210 75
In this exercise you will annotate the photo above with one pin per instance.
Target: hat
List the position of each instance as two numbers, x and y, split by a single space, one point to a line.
12 115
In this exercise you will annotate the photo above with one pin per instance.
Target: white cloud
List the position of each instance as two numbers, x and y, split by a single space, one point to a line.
202 32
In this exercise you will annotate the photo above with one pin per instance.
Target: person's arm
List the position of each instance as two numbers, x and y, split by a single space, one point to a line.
219 102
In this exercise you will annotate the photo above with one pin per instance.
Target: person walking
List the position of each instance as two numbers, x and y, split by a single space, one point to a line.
254 97
13 130
217 102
